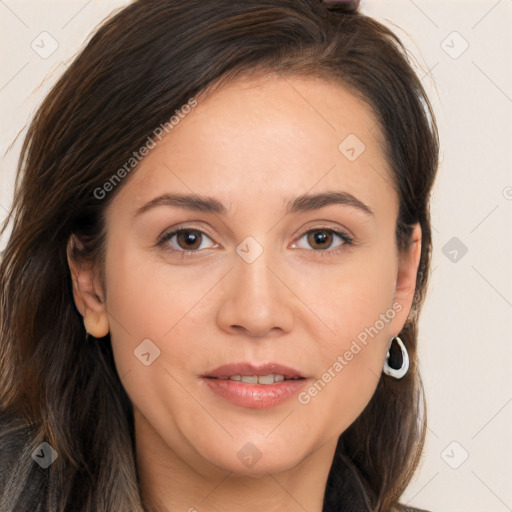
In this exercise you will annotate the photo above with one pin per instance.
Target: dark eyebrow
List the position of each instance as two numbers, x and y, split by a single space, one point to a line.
308 202
187 201
300 204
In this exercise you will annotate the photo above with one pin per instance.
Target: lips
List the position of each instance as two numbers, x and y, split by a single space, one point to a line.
253 369
255 385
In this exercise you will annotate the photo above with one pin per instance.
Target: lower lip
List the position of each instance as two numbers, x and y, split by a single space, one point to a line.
255 396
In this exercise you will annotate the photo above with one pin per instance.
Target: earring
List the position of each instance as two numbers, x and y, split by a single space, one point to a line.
401 371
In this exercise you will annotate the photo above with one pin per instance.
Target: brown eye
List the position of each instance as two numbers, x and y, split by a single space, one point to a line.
188 239
323 239
181 240
320 239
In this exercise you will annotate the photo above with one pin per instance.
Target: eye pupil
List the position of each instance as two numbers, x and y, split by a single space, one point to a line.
189 239
320 239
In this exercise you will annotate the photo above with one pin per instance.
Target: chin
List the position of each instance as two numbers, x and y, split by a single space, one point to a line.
255 458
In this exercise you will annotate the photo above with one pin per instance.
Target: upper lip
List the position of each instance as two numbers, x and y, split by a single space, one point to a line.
228 370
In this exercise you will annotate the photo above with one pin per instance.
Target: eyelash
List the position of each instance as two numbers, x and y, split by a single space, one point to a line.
164 239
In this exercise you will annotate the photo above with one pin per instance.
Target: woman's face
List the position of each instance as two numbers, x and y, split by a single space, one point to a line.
286 257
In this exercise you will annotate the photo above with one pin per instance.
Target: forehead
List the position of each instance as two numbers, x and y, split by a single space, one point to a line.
268 139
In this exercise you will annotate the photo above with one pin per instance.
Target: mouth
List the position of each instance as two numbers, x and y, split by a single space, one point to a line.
258 379
249 373
255 386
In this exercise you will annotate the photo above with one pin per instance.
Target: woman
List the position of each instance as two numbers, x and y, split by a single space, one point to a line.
220 247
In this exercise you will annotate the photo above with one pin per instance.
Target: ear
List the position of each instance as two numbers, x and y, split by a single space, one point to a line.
87 293
408 262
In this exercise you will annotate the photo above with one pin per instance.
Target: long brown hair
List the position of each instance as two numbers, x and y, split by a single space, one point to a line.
142 65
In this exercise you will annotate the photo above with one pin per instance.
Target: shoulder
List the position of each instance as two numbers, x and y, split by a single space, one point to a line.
14 437
22 481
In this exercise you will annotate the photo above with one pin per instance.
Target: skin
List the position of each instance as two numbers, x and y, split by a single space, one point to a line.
253 145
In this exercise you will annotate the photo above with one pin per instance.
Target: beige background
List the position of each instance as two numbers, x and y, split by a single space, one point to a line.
465 340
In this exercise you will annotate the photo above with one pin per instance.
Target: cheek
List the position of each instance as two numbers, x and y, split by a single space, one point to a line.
148 300
340 395
359 314
349 296
354 302
143 304
147 295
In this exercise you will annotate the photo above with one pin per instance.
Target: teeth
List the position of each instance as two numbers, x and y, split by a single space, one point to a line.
249 379
255 379
270 379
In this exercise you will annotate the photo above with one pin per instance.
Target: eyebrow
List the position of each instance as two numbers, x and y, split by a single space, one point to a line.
309 202
300 204
186 201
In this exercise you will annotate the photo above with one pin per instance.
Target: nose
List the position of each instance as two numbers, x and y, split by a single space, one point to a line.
256 301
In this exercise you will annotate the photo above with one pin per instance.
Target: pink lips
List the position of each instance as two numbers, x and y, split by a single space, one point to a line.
254 396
